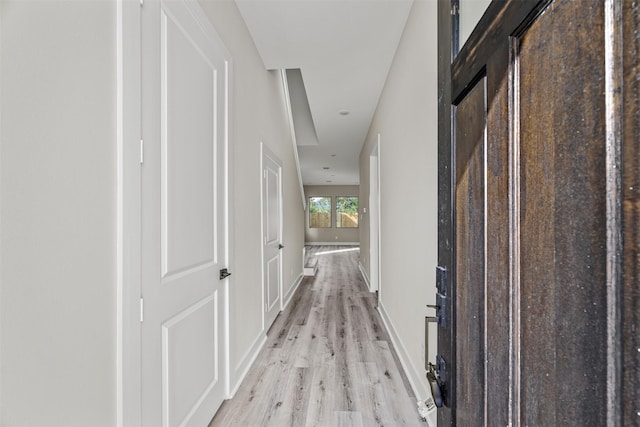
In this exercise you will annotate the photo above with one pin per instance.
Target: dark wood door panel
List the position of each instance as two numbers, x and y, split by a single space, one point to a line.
628 14
470 124
539 213
498 298
563 222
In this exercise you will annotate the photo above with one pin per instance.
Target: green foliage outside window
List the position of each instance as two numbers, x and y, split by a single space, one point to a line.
347 212
320 212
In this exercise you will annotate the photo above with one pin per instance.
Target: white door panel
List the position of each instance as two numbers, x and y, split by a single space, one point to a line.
273 282
273 200
272 235
188 147
183 214
190 363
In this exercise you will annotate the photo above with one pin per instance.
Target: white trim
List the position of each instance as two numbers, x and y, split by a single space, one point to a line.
374 216
292 290
206 26
229 219
1 382
379 218
414 376
287 104
261 237
332 243
247 362
364 276
128 128
119 217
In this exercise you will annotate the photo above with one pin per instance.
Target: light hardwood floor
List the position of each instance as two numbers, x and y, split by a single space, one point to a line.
328 360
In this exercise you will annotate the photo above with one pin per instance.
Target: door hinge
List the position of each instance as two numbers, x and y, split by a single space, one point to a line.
441 279
141 151
441 311
454 8
141 310
441 298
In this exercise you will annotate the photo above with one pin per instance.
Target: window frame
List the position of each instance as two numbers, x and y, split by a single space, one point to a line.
331 209
357 212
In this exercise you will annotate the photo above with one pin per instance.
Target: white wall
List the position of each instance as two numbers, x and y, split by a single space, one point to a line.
406 119
58 206
259 114
470 13
58 213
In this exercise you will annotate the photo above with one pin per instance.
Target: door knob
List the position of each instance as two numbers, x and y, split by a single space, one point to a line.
280 246
224 273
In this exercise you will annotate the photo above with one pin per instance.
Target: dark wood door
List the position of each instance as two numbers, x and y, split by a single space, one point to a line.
538 215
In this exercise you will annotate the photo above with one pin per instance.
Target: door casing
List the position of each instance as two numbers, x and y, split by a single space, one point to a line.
374 218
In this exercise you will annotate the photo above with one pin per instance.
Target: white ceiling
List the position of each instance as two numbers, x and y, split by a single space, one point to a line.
344 49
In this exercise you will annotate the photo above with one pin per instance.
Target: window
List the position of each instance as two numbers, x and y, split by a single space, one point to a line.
319 212
347 212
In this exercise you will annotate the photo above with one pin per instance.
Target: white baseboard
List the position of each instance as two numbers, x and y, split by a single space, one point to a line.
332 243
364 276
414 376
246 362
292 290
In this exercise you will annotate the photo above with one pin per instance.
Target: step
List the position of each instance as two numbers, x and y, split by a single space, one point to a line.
311 266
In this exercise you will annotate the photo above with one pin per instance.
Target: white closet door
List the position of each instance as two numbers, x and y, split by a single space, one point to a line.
183 216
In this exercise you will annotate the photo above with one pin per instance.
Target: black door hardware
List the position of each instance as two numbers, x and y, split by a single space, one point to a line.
437 377
435 386
224 273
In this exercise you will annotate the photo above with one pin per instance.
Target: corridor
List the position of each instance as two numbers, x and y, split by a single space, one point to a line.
328 360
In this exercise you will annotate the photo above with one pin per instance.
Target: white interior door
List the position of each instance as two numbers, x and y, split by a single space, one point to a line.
183 216
271 235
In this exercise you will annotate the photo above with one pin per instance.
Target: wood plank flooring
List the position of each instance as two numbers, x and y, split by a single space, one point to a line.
328 360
